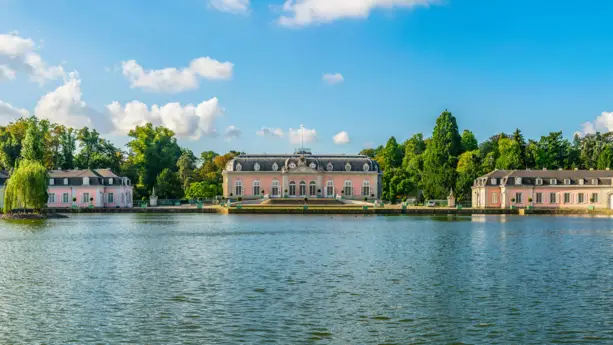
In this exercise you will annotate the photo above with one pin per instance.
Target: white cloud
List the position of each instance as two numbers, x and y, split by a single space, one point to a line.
296 136
332 79
64 106
173 80
10 113
273 132
17 54
305 12
232 132
603 123
341 138
186 121
231 6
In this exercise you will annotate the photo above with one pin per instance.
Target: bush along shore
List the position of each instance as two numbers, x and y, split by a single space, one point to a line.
31 216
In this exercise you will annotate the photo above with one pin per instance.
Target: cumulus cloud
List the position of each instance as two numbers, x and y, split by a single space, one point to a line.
232 132
341 138
173 80
603 123
188 121
306 12
10 113
296 136
332 79
17 54
273 132
231 6
65 106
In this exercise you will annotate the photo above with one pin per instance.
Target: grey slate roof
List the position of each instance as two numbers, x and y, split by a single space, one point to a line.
529 177
266 162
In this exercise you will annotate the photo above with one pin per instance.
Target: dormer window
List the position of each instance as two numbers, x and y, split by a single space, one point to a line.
581 181
553 181
330 167
567 181
347 166
275 166
292 165
518 180
66 182
51 182
538 181
86 181
111 181
494 181
313 165
594 181
239 167
256 166
366 167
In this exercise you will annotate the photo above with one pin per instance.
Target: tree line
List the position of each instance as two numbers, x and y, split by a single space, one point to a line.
429 168
151 158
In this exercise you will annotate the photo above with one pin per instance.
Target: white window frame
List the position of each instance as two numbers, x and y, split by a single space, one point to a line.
494 198
292 188
518 180
581 181
85 197
65 198
595 181
51 198
564 199
51 182
348 188
538 181
553 182
494 181
538 198
312 188
238 187
330 188
553 200
302 189
65 181
330 167
110 197
567 181
595 197
519 197
580 198
366 188
110 181
86 181
274 188
256 188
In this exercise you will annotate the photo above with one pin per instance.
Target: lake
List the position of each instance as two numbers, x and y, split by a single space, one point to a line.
213 279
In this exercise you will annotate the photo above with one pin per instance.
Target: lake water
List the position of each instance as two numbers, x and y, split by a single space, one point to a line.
212 279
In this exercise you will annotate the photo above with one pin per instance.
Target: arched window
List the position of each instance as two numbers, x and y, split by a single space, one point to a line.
330 188
292 188
348 188
312 188
274 188
238 187
302 188
366 188
256 187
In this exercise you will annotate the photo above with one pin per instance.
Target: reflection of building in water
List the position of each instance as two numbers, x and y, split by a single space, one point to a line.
544 189
302 174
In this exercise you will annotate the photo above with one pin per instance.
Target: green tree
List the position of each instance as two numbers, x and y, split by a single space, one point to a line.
68 142
33 146
27 187
89 141
202 190
605 161
440 157
469 141
509 157
552 152
186 166
413 147
392 155
518 137
469 168
368 153
153 149
168 185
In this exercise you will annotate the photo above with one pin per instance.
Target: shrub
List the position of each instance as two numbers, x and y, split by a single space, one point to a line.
319 191
365 198
91 199
529 199
372 195
74 199
263 192
306 199
512 199
240 199
231 194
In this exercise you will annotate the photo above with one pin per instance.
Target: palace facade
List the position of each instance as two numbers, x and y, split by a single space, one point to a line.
95 187
544 189
300 175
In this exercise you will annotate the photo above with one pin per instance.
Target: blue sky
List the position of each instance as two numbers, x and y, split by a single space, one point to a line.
497 65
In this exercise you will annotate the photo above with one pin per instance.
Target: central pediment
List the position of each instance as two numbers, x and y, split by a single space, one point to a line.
303 170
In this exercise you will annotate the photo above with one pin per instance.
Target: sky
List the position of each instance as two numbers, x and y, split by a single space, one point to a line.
247 74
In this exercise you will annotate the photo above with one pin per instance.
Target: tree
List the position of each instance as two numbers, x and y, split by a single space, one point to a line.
605 161
468 170
392 155
89 144
509 157
552 152
153 149
202 190
413 147
469 141
368 153
168 185
518 137
11 139
33 144
186 165
440 157
27 187
68 141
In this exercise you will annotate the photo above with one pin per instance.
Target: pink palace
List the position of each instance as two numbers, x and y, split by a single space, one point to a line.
96 187
302 174
544 189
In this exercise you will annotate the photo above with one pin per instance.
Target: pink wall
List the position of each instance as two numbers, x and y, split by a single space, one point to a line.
96 192
603 195
489 193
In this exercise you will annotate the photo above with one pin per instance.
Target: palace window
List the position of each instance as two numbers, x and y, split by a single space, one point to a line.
256 166
594 198
539 198
552 198
51 199
86 181
566 198
111 181
519 198
594 181
330 167
292 188
292 165
348 188
330 188
347 166
85 199
312 188
302 188
51 182
65 181
275 166
553 181
580 198
366 188
518 180
538 181
111 198
494 181
581 181
566 181
238 188
256 187
494 198
366 167
65 198
275 188
313 165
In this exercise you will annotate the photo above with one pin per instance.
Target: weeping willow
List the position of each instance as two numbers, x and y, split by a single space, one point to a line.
27 187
